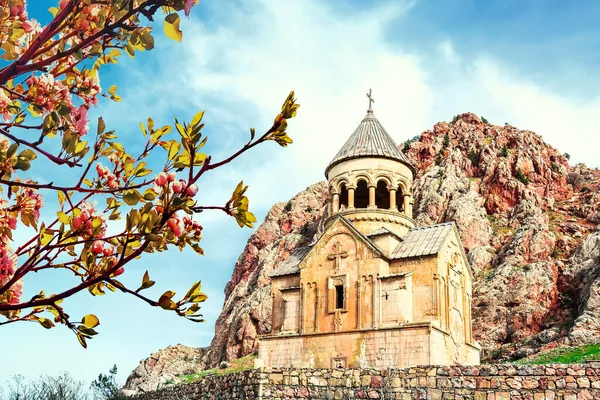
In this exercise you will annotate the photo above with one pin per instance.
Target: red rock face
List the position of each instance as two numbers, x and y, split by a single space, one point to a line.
526 218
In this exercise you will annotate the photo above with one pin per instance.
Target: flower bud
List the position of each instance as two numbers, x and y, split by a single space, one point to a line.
192 190
161 179
98 247
176 186
171 176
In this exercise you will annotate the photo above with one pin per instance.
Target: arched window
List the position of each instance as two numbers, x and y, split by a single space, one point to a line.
382 196
399 199
361 195
343 196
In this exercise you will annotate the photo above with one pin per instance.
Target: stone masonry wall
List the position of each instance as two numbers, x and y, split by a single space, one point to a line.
483 382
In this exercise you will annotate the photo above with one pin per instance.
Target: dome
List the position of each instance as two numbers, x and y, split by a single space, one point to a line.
369 140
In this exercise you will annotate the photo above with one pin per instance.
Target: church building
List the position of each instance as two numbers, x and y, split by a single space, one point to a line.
374 290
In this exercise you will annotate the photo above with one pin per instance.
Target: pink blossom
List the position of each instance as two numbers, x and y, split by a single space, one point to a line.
161 179
112 182
108 251
80 119
176 186
171 176
98 247
16 291
84 220
8 263
192 190
175 225
119 271
102 171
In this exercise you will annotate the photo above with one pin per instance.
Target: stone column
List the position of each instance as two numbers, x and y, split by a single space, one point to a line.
335 204
358 302
372 197
350 198
317 306
393 199
376 306
302 305
407 206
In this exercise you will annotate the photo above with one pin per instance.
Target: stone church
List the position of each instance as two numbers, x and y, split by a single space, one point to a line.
374 290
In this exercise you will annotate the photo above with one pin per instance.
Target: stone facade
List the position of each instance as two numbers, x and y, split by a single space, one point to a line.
373 290
484 382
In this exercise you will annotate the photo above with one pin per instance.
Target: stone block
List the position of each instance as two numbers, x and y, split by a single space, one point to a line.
480 395
276 379
583 382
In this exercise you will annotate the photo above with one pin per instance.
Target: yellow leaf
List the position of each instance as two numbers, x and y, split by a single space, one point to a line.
199 298
46 323
45 238
171 27
61 198
90 321
62 217
197 118
81 340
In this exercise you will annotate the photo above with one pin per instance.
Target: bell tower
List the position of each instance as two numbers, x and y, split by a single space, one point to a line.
370 180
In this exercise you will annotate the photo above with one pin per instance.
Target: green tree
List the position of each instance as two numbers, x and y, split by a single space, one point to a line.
105 387
49 79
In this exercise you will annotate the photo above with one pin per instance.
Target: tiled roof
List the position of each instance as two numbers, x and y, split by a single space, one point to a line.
289 266
369 140
382 231
424 241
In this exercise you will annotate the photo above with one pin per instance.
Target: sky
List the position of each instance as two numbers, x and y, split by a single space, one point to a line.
532 64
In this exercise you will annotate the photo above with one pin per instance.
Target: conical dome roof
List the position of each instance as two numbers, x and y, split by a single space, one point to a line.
369 140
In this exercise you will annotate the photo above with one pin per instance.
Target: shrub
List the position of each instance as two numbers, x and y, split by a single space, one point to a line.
456 118
504 151
438 157
484 120
521 176
474 157
406 144
446 140
585 189
567 156
288 206
555 167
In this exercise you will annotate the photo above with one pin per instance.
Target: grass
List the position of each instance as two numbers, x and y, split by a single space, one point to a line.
570 355
239 365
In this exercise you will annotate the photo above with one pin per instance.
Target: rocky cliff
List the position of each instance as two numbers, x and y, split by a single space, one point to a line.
527 218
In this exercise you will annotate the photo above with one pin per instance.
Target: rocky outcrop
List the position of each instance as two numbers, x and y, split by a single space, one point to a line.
528 221
163 366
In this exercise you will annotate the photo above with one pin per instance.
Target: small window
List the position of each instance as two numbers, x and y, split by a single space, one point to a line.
338 362
339 297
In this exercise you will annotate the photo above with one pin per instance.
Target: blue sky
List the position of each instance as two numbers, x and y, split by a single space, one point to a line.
533 64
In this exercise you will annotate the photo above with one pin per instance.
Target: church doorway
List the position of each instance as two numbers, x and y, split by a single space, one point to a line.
361 196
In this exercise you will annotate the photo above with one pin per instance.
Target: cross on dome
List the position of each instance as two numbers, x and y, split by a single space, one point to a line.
371 100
